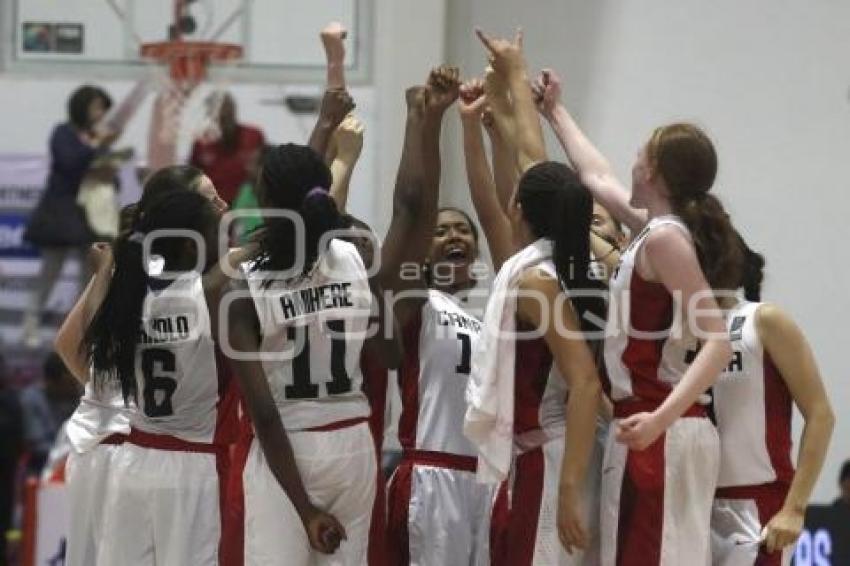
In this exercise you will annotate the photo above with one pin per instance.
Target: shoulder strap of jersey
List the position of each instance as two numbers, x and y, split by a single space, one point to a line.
742 328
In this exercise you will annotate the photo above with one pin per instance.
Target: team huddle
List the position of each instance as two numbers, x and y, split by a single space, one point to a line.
621 397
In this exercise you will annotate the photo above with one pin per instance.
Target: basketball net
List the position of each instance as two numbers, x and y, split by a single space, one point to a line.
180 66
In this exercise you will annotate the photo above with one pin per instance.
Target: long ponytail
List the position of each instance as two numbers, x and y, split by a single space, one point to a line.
685 158
557 206
111 338
294 178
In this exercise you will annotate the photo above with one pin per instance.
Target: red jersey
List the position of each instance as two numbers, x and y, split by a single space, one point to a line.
227 167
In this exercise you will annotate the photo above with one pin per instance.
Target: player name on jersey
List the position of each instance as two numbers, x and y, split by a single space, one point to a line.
165 329
457 320
315 299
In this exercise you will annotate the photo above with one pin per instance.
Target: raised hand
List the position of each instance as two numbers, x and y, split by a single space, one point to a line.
472 103
443 89
496 90
417 100
506 56
324 531
336 105
333 40
348 138
100 256
547 91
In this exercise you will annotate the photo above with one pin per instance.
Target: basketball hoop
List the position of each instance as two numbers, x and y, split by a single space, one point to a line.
188 60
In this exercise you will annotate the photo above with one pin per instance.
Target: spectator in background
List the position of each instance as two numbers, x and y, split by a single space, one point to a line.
11 447
844 487
62 390
226 152
247 198
58 225
46 405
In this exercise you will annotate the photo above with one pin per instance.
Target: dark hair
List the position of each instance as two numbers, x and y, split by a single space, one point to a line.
844 474
158 185
752 274
557 206
685 158
472 227
54 368
79 102
111 338
294 178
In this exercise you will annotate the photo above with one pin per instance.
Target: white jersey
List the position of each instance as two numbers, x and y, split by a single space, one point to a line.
439 343
313 330
753 408
101 413
644 347
180 388
540 392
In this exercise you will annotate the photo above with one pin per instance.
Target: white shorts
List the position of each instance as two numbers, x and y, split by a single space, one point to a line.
339 469
162 509
438 514
525 515
86 479
736 525
656 503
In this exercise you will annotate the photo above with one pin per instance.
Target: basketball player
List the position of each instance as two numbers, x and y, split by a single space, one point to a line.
662 458
102 420
438 514
309 320
153 333
548 210
761 501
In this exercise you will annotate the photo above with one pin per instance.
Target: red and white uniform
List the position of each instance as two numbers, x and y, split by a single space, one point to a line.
438 513
163 495
99 425
313 330
656 503
524 531
753 409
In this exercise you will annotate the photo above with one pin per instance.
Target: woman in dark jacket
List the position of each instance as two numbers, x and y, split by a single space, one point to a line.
58 225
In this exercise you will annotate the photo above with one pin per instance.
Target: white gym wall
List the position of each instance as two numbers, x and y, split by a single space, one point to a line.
769 81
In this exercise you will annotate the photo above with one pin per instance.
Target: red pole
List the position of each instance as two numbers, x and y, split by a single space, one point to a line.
30 522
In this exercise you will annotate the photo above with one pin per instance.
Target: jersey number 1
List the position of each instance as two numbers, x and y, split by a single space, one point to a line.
302 387
465 365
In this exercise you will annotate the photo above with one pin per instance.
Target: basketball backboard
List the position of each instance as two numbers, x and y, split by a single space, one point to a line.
103 37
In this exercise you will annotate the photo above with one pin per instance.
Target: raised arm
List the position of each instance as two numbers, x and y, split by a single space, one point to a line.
788 349
594 169
336 105
243 335
491 215
507 60
671 259
333 40
417 187
539 293
505 171
348 143
69 337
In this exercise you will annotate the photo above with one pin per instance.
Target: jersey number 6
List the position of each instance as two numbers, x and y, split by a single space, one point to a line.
158 367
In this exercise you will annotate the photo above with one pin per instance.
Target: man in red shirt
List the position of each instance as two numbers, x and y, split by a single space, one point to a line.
225 157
